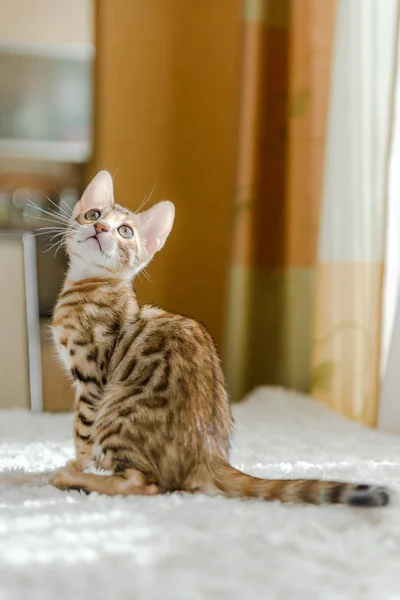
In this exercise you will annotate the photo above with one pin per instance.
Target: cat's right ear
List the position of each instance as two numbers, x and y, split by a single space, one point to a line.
98 194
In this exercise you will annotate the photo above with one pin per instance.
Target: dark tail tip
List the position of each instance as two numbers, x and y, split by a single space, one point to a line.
367 496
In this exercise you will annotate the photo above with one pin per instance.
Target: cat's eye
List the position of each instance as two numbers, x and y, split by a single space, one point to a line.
92 215
125 231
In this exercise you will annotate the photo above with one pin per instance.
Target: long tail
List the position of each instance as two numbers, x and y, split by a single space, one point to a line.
235 484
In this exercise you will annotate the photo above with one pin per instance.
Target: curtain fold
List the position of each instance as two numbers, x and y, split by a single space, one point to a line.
305 290
346 352
287 47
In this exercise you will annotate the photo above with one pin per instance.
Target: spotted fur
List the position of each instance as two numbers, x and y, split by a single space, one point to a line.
151 401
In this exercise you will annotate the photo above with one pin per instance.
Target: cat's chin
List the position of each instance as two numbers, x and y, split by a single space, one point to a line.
93 248
94 243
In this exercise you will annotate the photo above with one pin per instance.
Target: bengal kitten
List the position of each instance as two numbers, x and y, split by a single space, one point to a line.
151 402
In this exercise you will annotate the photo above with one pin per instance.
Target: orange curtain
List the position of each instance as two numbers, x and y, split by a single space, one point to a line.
287 48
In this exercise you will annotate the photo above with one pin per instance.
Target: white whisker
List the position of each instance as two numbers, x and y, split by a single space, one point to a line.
58 244
58 207
48 233
49 230
57 217
57 235
145 273
44 219
70 225
146 199
68 207
69 210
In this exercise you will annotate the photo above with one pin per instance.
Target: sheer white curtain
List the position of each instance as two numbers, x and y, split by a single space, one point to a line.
389 409
351 255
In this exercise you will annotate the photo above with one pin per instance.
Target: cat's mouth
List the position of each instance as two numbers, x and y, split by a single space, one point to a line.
93 237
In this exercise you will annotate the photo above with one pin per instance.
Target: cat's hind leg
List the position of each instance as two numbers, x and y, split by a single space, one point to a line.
129 483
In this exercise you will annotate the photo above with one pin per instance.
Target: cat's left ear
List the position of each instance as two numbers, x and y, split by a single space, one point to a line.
154 226
98 194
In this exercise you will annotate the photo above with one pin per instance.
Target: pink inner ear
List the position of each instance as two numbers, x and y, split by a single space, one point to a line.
155 226
98 194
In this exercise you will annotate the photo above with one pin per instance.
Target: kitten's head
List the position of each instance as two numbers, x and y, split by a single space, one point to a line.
106 238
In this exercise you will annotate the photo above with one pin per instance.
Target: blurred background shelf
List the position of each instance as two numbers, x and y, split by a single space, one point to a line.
47 56
57 390
64 51
45 150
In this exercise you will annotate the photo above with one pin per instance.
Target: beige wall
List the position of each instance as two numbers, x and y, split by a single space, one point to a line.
14 366
32 22
46 21
166 102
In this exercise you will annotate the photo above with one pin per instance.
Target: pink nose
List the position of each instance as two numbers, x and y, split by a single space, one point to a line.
99 227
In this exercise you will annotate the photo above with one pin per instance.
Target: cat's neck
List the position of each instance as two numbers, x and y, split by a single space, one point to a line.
77 273
79 270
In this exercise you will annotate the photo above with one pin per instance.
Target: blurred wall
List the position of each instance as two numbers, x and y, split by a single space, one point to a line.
28 25
166 112
46 21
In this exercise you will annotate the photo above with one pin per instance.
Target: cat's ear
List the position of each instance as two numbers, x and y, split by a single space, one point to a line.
154 226
98 194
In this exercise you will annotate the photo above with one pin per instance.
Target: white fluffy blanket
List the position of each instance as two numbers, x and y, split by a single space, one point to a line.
56 545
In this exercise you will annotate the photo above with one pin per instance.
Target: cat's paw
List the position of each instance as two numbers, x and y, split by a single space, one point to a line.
64 479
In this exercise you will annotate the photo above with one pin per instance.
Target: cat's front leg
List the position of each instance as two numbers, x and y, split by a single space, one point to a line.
83 457
83 451
83 424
